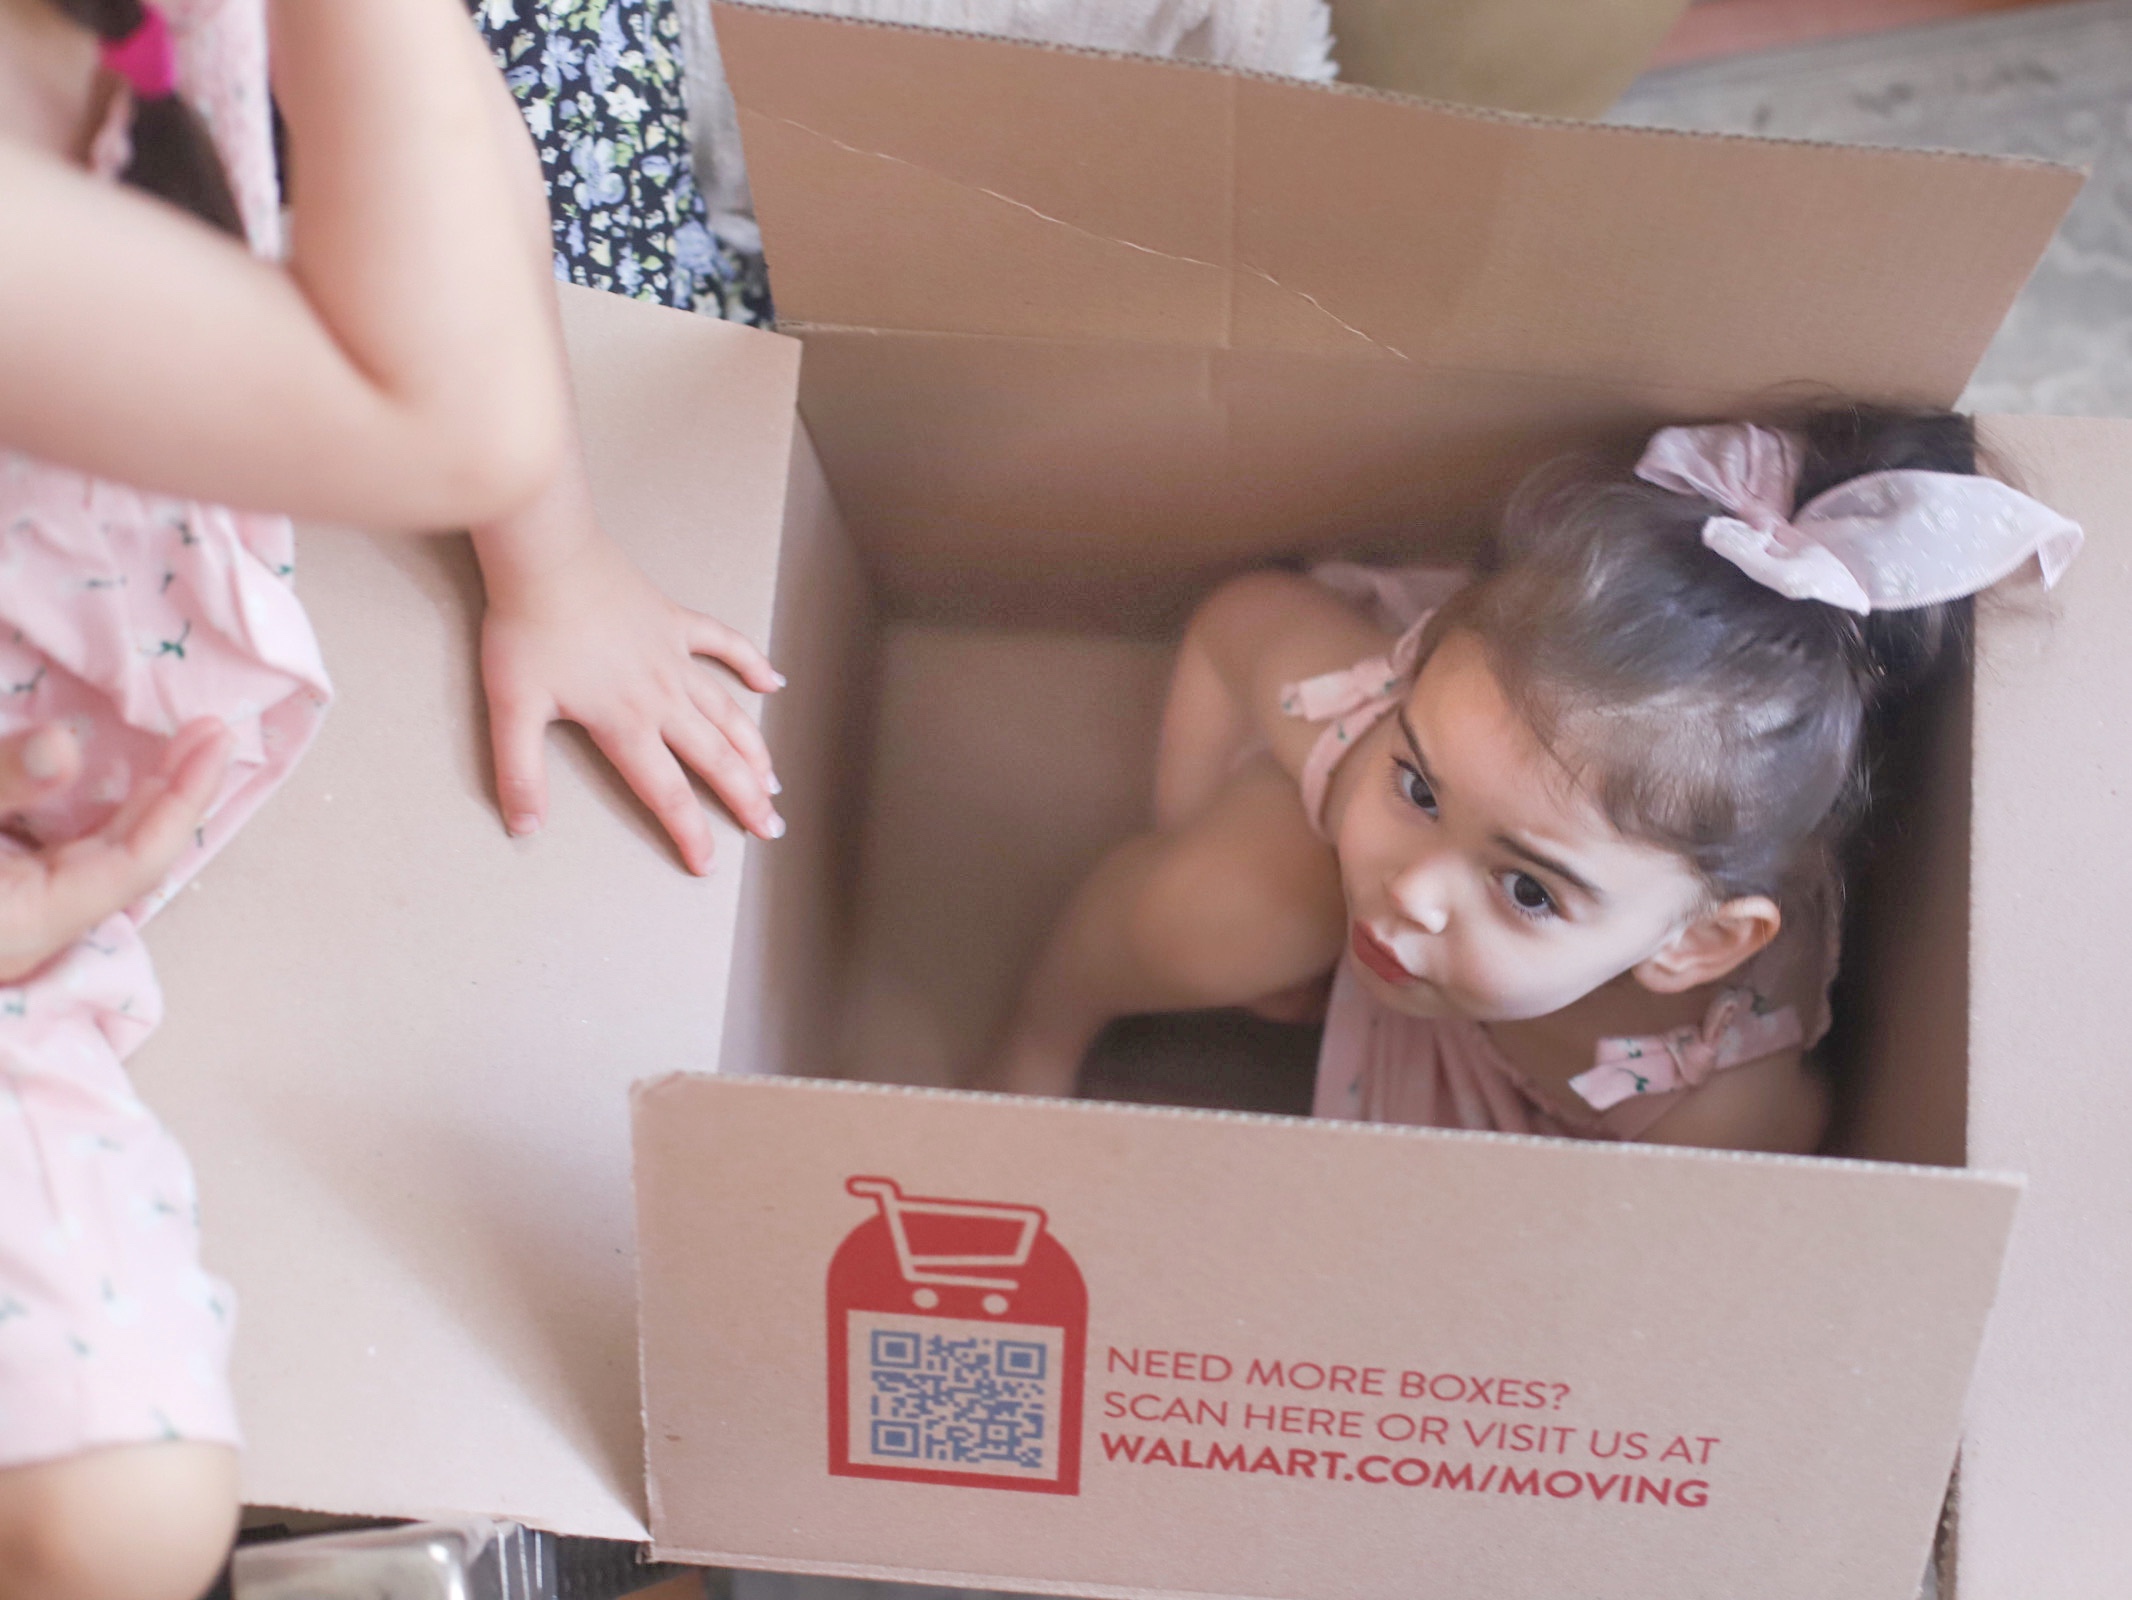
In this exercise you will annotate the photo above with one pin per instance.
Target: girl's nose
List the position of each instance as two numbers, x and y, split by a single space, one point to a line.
1422 897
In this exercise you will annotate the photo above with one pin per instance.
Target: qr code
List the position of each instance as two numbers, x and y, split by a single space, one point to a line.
938 1394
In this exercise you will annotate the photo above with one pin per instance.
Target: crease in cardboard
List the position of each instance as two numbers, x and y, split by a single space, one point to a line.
1227 270
1711 398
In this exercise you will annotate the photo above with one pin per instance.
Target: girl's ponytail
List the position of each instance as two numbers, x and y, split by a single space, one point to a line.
173 155
1892 652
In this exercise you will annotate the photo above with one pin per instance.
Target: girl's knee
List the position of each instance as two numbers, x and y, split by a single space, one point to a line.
132 1522
1223 925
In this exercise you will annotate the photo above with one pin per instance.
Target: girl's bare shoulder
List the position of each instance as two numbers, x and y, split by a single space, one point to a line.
1778 1104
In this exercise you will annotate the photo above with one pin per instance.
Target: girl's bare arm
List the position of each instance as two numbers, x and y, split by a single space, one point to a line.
399 369
1248 641
1241 902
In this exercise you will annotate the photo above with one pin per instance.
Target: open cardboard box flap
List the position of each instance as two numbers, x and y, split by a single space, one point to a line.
410 1131
1056 296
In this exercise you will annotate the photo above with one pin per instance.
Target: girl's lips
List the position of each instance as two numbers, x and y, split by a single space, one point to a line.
1376 955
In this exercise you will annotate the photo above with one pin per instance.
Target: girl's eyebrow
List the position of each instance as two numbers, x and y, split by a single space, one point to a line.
1414 749
1546 863
1516 847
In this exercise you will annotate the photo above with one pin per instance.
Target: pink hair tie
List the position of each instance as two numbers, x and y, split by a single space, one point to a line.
145 58
1885 541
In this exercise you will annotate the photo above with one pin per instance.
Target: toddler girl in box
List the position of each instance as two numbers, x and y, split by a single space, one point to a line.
1584 812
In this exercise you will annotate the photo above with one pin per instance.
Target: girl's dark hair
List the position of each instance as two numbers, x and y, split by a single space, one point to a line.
1709 714
173 155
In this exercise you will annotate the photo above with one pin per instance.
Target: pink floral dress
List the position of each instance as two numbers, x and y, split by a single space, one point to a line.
126 615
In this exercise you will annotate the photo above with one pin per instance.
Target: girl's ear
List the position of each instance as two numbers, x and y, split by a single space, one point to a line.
1711 946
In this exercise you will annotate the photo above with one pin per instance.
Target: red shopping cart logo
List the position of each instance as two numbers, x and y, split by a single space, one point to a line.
958 1331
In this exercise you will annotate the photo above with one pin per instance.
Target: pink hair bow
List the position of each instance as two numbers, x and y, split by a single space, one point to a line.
145 58
1886 541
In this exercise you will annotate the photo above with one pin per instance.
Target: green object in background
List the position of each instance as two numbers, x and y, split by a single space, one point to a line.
1564 58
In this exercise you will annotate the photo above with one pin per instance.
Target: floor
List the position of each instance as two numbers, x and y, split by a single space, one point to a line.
1712 28
2052 81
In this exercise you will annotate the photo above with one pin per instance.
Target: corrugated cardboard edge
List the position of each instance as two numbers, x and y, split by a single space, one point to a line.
644 1088
1392 97
943 1579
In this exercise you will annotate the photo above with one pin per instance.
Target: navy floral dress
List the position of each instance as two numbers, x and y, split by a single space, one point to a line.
600 83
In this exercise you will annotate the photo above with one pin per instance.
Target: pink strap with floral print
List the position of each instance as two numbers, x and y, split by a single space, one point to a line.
1738 1029
1354 699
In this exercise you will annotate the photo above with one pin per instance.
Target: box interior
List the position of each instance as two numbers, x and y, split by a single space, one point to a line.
989 758
1053 391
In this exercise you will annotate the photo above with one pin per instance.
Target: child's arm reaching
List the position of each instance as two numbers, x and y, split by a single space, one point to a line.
395 371
574 631
1239 902
1232 898
403 368
1252 637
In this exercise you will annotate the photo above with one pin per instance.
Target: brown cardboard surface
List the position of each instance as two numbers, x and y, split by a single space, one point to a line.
934 182
2047 1467
794 934
1004 765
1815 1321
1025 477
398 1041
1059 299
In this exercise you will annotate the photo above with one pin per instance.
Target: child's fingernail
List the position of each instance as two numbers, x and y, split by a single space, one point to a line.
44 757
777 680
523 823
774 828
773 785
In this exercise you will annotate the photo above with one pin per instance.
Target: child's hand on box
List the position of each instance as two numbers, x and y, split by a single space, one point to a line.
575 632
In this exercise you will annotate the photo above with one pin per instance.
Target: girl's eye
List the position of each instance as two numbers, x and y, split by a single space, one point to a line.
1413 787
1528 896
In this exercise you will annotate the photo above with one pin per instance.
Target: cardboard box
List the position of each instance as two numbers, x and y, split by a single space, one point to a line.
1081 335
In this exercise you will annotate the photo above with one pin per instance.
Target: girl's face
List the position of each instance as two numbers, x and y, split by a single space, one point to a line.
1481 880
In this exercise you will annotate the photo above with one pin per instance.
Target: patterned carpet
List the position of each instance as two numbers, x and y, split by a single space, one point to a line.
2053 81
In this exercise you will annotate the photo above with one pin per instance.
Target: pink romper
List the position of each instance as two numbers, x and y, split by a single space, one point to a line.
126 615
1376 1064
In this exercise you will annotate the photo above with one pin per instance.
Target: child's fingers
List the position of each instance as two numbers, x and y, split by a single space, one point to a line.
179 754
518 734
89 879
32 931
71 888
723 714
710 754
650 770
168 809
35 763
707 636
